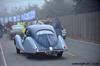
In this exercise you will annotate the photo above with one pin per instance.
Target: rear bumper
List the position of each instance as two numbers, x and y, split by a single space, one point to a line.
46 51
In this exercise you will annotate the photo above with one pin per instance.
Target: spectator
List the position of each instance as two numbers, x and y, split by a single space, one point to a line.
48 21
1 30
57 26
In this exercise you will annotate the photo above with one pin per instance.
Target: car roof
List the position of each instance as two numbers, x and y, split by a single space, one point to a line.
17 26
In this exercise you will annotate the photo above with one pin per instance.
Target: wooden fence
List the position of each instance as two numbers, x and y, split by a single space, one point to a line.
83 26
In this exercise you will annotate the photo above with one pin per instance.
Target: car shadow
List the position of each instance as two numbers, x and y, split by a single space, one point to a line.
42 57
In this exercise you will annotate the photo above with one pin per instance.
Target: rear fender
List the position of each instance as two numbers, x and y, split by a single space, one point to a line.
18 42
30 45
61 43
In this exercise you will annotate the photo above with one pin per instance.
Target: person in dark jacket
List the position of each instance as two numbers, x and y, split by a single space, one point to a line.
1 30
57 26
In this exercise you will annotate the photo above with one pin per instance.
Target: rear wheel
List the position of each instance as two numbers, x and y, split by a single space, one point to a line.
60 54
64 37
17 50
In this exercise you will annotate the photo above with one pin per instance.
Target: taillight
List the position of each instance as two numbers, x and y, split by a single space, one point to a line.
65 46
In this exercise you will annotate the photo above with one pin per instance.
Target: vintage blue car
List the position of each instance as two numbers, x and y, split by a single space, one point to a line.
40 39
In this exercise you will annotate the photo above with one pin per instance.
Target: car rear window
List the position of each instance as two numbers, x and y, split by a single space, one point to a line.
44 32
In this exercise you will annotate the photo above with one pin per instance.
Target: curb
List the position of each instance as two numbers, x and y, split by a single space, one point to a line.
85 42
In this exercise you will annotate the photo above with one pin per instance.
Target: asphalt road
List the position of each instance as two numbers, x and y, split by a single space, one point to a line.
79 54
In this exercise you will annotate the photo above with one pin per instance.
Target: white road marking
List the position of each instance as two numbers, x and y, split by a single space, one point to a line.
5 63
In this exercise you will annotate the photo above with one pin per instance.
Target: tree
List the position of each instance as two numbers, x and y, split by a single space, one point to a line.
84 6
54 8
